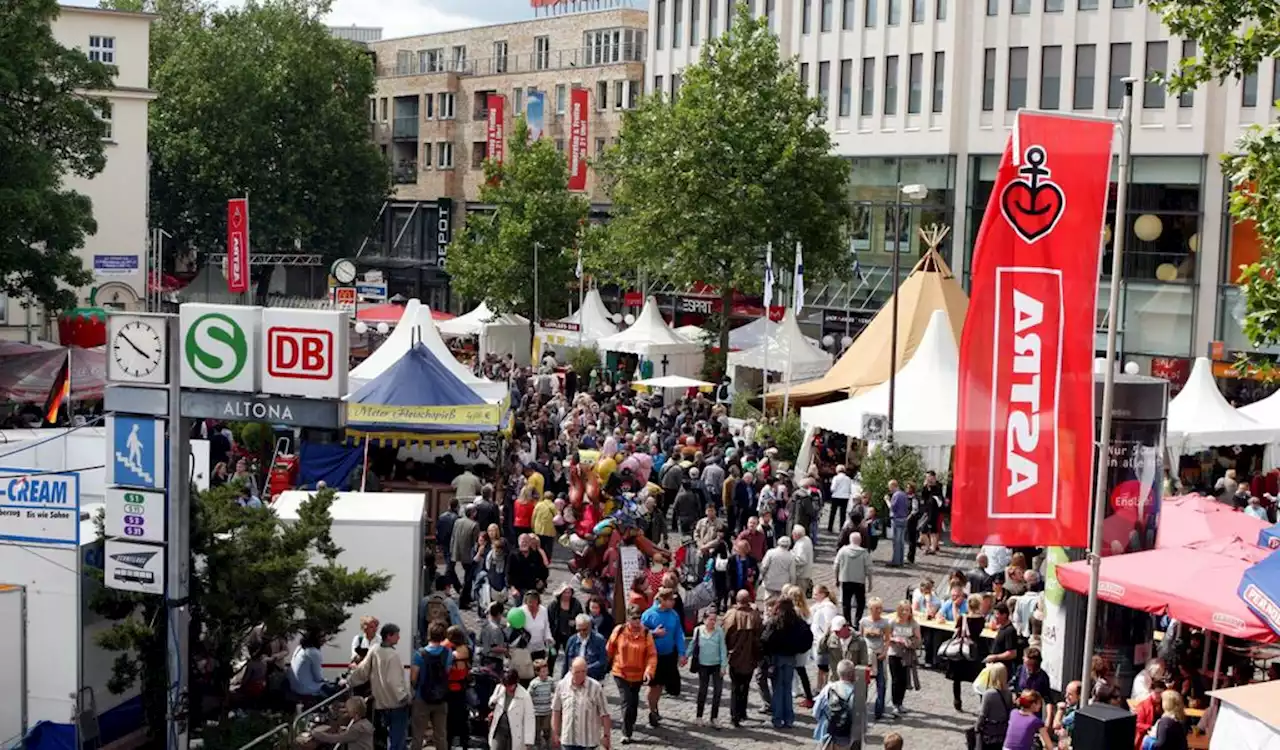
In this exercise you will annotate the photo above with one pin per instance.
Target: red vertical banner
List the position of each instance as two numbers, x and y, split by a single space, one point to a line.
578 134
238 245
497 131
1024 443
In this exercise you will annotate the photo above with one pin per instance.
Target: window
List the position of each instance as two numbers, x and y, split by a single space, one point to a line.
619 94
1050 77
657 85
804 78
633 93
729 6
867 98
541 52
988 80
1020 7
500 56
383 107
479 152
770 14
1157 63
713 18
425 159
430 60
917 11
895 12
373 109
660 19
846 15
562 94
1117 71
459 57
428 108
1053 6
602 96
446 102
1016 83
600 143
940 10
827 10
694 20
824 87
806 16
870 13
846 88
675 86
915 83
993 7
1186 99
102 49
1085 70
1249 90
106 115
560 145
1121 3
517 101
677 22
444 155
1088 5
939 81
1275 84
891 85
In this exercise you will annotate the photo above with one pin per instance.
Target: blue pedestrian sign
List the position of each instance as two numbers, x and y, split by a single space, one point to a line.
137 451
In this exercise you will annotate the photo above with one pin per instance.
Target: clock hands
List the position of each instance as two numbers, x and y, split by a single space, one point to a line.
135 347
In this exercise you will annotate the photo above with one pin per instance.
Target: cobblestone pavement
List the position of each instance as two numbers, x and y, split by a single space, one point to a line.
930 721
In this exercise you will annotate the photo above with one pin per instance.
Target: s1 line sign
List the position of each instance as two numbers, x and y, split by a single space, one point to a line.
238 245
1024 443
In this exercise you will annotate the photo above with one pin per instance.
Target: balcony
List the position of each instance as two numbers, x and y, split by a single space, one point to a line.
405 173
581 57
405 128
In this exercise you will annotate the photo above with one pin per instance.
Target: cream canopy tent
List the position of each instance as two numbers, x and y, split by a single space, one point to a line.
593 317
926 400
650 337
930 286
416 325
696 334
1248 717
1200 417
786 351
505 333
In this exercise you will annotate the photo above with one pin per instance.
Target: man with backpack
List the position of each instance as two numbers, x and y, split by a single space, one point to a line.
430 678
836 709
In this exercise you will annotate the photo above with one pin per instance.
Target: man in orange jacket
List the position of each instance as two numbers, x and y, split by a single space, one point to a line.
634 657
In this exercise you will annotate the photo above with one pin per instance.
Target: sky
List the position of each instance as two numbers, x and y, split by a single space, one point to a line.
407 17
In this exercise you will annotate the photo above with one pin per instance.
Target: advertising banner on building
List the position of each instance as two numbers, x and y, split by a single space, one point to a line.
496 134
536 114
578 103
1025 429
238 245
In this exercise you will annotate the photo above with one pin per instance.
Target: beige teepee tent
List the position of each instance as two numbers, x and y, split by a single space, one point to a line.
930 286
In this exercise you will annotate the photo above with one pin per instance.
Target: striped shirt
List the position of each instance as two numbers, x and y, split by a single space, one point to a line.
582 712
540 691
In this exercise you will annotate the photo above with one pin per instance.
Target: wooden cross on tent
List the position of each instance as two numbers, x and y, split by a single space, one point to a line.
665 362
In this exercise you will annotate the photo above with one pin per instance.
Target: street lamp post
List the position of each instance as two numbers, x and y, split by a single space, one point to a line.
914 193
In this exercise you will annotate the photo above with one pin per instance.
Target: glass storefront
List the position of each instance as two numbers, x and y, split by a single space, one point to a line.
873 190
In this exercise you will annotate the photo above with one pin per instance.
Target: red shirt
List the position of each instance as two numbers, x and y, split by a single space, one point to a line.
1148 711
524 514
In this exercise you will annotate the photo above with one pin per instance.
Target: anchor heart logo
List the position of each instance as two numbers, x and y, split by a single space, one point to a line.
1033 203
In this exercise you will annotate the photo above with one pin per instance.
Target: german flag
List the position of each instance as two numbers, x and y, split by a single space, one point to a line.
60 392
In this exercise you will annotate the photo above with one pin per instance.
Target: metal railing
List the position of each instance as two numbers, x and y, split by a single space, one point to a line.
405 173
579 57
290 731
296 728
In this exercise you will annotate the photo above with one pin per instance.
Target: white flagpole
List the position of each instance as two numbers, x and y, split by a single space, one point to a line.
768 302
581 287
797 303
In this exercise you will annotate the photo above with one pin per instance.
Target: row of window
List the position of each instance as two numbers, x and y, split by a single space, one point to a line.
1023 7
443 152
599 46
890 87
870 13
622 94
102 49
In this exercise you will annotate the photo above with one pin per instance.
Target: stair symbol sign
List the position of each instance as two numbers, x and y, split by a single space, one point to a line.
136 468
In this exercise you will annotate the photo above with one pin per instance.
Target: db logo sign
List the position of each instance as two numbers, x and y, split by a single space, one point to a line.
299 353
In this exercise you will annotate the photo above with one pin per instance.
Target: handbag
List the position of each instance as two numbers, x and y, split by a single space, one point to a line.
694 652
959 647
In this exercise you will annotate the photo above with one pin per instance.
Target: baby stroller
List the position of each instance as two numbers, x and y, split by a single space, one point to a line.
687 564
485 678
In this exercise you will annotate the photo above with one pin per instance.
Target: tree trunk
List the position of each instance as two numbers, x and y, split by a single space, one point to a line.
726 305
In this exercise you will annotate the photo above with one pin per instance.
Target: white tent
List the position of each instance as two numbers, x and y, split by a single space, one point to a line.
786 351
1200 417
1248 718
926 398
752 334
416 325
593 318
697 334
505 333
651 338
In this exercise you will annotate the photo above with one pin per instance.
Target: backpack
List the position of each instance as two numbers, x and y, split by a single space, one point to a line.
803 638
840 713
433 679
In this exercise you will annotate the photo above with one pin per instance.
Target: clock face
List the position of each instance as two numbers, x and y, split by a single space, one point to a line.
344 271
138 350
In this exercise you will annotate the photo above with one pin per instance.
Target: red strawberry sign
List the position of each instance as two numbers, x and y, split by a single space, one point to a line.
85 327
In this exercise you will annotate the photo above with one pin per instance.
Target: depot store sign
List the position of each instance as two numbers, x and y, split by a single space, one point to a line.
254 350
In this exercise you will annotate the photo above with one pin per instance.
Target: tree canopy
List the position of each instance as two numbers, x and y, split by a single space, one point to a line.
492 259
1232 37
739 159
50 129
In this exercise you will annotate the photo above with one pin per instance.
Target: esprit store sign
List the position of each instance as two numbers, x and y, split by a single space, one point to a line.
256 350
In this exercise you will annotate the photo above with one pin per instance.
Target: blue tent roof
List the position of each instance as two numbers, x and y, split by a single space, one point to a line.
1260 589
418 394
1269 537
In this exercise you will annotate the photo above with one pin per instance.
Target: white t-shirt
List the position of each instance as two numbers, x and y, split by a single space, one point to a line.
998 558
538 628
360 641
841 486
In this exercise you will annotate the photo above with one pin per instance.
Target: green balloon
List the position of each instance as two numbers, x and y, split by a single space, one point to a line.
515 618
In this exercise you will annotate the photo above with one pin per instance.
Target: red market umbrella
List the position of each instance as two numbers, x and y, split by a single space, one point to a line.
27 378
1193 518
390 313
1196 585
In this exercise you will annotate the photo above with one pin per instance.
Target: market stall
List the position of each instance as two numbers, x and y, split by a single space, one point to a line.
1200 417
1248 717
495 333
785 351
590 323
651 339
27 376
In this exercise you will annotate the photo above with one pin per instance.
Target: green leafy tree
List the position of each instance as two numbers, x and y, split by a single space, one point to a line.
738 160
50 130
493 257
251 569
1232 37
262 101
885 462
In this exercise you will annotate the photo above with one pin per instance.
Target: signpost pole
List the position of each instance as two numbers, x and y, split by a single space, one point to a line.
178 562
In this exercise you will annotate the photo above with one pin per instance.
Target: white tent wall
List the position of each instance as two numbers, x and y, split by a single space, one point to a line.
1200 417
594 318
651 338
499 334
786 351
1236 729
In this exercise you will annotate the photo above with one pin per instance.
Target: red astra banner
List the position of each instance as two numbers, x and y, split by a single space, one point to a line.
496 136
238 245
578 139
1024 440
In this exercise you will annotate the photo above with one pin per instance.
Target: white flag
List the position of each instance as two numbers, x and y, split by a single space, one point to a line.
577 271
768 278
798 303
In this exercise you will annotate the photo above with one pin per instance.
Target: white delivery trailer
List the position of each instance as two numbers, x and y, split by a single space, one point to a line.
381 532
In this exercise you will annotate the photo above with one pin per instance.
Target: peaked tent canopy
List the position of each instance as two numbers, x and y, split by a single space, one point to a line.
417 325
787 351
697 334
505 333
1194 518
650 337
1200 417
925 394
594 318
420 395
930 286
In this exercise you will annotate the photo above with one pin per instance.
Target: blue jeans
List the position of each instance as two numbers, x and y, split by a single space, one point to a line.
784 712
397 727
898 528
882 684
